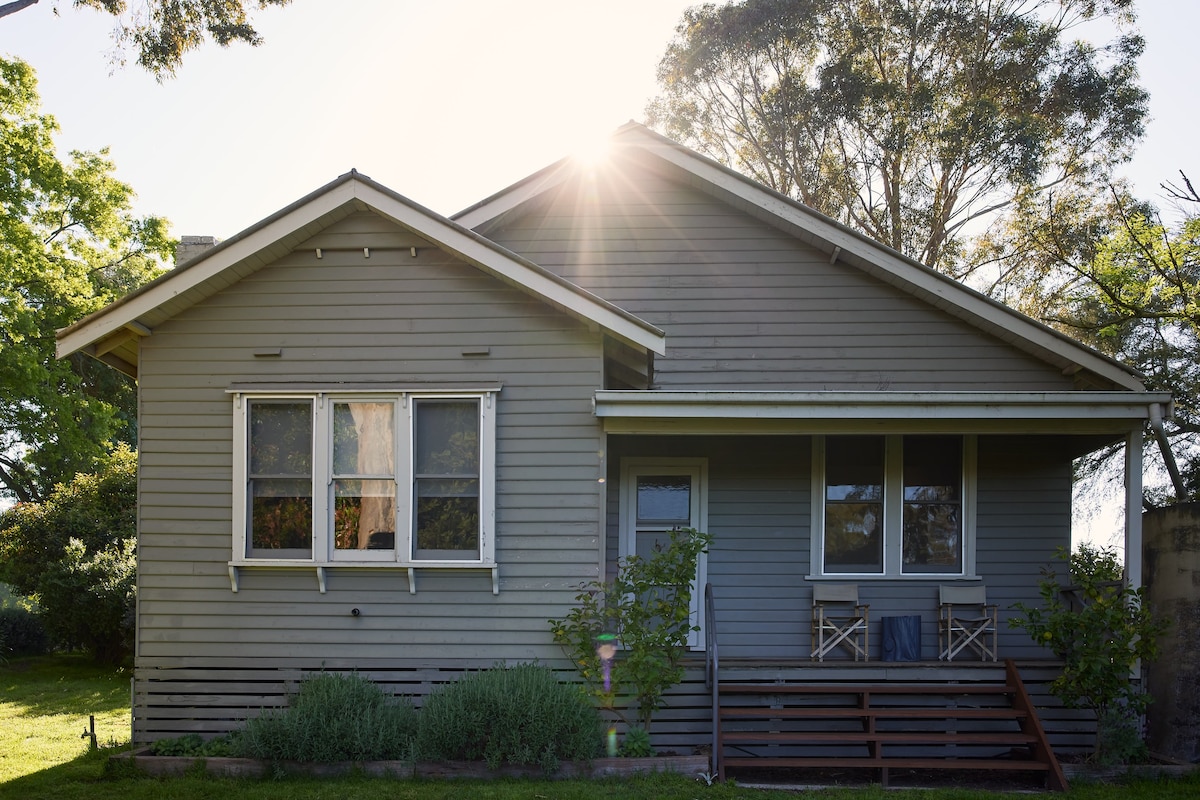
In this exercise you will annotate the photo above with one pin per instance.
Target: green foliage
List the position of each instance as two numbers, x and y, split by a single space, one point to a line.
162 31
74 556
637 743
69 245
333 717
904 120
520 715
22 634
1117 277
648 607
193 746
1099 642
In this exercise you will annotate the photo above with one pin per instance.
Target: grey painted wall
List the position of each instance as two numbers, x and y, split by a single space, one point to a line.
746 306
759 514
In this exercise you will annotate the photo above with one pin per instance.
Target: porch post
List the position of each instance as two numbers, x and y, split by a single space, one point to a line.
1133 509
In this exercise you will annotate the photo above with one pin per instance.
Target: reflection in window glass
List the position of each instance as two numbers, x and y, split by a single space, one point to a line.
666 499
279 479
932 504
854 470
446 480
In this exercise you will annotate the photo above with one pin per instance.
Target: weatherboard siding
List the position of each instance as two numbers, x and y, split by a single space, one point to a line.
746 306
759 513
388 317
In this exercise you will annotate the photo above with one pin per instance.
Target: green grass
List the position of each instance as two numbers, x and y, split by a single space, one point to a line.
45 703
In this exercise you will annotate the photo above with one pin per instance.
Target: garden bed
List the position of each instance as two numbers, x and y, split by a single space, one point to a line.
170 766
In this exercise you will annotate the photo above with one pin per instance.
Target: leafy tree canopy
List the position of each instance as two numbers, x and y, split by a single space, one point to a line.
906 119
1112 273
162 31
74 555
69 244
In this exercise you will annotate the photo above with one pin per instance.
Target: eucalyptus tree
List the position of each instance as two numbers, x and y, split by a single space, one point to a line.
1109 270
69 244
162 31
909 120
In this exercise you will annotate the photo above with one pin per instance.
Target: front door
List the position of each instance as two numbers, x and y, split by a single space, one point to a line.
657 495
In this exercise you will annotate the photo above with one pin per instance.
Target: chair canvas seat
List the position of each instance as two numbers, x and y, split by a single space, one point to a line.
838 620
966 622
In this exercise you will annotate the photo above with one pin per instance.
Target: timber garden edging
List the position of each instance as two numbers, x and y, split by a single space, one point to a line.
174 766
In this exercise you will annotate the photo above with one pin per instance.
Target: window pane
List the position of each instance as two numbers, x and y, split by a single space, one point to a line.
853 533
364 510
279 480
664 498
447 437
363 439
364 514
932 504
280 518
446 480
280 437
853 468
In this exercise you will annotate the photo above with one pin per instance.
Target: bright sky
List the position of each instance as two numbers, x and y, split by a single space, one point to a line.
445 102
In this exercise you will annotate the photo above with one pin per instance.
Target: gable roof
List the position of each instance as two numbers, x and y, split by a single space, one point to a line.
111 334
843 245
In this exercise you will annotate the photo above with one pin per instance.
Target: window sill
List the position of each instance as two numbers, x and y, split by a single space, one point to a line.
321 568
881 578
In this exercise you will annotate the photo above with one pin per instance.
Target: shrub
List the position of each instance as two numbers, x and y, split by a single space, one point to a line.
647 606
1099 644
333 717
193 746
74 556
22 633
520 715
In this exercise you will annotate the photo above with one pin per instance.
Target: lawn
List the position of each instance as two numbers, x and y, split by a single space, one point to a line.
45 704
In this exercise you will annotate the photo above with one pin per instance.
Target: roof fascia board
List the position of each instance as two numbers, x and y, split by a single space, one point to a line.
513 269
828 235
883 262
500 203
998 406
209 265
357 188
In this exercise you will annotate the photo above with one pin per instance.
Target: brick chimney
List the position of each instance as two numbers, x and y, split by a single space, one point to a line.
191 246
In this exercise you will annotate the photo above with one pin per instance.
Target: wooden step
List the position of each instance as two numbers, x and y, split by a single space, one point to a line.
1014 739
1010 765
823 712
847 705
943 690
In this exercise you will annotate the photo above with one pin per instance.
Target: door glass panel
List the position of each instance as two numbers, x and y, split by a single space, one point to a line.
664 499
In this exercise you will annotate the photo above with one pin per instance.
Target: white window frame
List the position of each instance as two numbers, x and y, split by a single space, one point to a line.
323 550
893 514
697 469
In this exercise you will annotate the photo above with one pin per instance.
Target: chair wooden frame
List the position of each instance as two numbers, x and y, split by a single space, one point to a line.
966 621
839 620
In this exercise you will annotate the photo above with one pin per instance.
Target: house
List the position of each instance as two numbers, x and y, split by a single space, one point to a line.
376 438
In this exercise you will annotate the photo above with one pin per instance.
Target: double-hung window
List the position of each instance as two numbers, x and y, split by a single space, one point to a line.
364 478
893 506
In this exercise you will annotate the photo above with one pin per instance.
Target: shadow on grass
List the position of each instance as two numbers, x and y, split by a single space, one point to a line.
64 684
